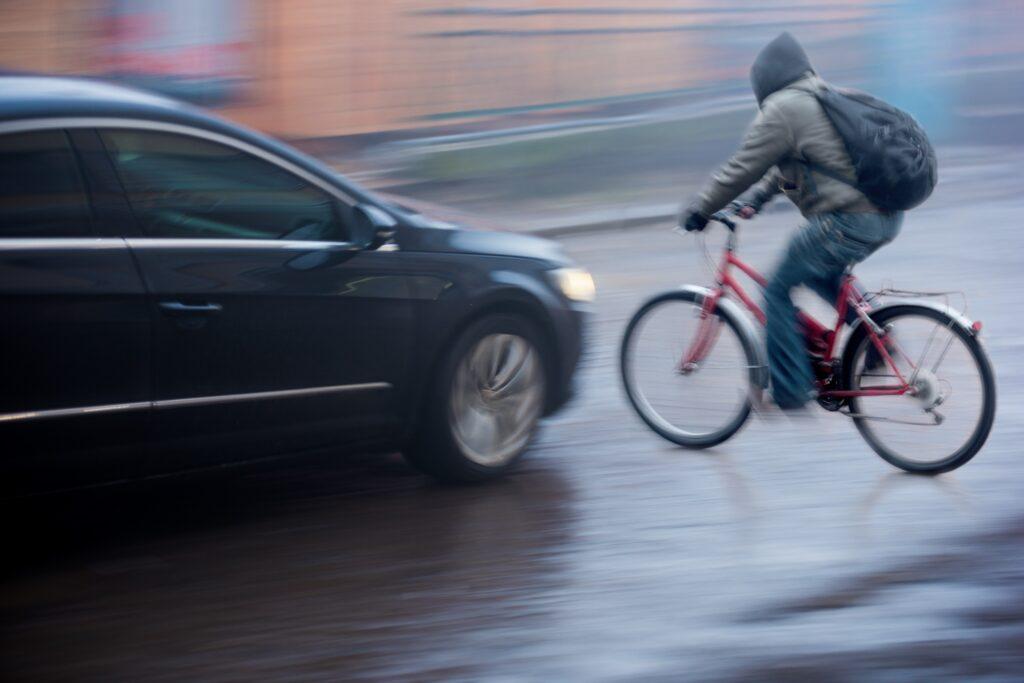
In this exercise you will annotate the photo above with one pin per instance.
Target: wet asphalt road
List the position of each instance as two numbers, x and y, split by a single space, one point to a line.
790 552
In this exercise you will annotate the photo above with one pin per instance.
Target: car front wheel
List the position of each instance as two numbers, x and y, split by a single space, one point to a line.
487 397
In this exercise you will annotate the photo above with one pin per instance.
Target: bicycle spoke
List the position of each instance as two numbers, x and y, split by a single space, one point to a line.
924 354
943 354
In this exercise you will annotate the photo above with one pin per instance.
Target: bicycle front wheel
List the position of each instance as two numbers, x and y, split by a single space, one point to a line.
947 417
696 406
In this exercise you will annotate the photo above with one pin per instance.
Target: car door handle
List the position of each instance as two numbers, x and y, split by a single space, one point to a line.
178 308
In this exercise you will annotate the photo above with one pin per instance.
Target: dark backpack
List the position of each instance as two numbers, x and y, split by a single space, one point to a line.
894 161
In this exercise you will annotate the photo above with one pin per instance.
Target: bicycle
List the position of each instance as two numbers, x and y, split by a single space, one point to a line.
885 376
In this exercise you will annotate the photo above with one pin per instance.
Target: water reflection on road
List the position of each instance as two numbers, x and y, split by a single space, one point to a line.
364 566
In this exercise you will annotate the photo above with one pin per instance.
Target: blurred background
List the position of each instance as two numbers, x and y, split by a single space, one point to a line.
790 553
538 112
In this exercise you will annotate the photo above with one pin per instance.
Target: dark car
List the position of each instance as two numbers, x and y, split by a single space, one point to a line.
178 292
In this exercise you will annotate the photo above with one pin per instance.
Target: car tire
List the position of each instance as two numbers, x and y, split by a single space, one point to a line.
482 409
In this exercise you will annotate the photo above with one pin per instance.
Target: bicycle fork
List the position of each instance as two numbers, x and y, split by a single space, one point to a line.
707 334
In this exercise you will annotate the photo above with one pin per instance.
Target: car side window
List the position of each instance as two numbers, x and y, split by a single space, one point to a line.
41 192
183 186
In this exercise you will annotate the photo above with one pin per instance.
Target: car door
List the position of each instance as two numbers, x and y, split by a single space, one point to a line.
274 331
75 339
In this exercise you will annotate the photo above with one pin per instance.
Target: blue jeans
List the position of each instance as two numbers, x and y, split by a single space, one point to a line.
816 257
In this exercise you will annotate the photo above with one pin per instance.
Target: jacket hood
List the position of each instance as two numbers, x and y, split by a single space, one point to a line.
779 63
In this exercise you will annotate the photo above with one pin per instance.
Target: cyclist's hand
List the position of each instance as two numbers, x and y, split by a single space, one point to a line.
743 210
693 220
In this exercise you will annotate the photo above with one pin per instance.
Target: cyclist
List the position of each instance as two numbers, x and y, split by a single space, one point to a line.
788 142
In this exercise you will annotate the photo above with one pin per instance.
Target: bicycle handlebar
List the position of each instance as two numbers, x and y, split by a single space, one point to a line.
724 219
719 217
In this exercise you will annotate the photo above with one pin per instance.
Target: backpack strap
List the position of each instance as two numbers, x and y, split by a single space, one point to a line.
817 168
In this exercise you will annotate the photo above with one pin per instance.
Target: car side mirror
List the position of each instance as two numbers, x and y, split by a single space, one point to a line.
373 227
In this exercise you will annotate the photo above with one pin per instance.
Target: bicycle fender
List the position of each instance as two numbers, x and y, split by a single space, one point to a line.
744 324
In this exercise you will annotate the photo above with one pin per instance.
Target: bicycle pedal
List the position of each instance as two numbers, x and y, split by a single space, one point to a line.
831 404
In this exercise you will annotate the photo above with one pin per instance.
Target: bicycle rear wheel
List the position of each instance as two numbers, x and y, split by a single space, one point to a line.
695 407
949 416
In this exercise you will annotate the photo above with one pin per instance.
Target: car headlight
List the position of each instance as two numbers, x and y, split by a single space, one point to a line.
575 283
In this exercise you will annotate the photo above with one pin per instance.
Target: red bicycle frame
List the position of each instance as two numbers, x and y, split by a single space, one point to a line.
849 296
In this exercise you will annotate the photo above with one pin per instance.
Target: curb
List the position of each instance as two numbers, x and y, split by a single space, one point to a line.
653 215
621 218
605 225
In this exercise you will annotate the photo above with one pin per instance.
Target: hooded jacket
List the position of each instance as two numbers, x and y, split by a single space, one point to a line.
790 127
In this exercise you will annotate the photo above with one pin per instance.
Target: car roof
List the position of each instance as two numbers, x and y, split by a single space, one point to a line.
24 97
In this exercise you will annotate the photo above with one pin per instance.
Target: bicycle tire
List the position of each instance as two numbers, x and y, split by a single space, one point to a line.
660 425
971 447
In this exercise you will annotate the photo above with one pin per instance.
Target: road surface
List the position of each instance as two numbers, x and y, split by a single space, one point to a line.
791 551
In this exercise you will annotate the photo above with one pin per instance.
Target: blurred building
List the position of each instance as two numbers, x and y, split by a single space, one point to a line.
321 67
312 68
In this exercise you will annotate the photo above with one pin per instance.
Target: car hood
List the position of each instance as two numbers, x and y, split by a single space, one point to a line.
447 238
434 235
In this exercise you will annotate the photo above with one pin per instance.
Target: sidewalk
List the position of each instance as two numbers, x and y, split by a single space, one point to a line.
967 176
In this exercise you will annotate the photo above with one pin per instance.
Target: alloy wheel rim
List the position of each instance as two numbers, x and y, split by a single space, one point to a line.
497 397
